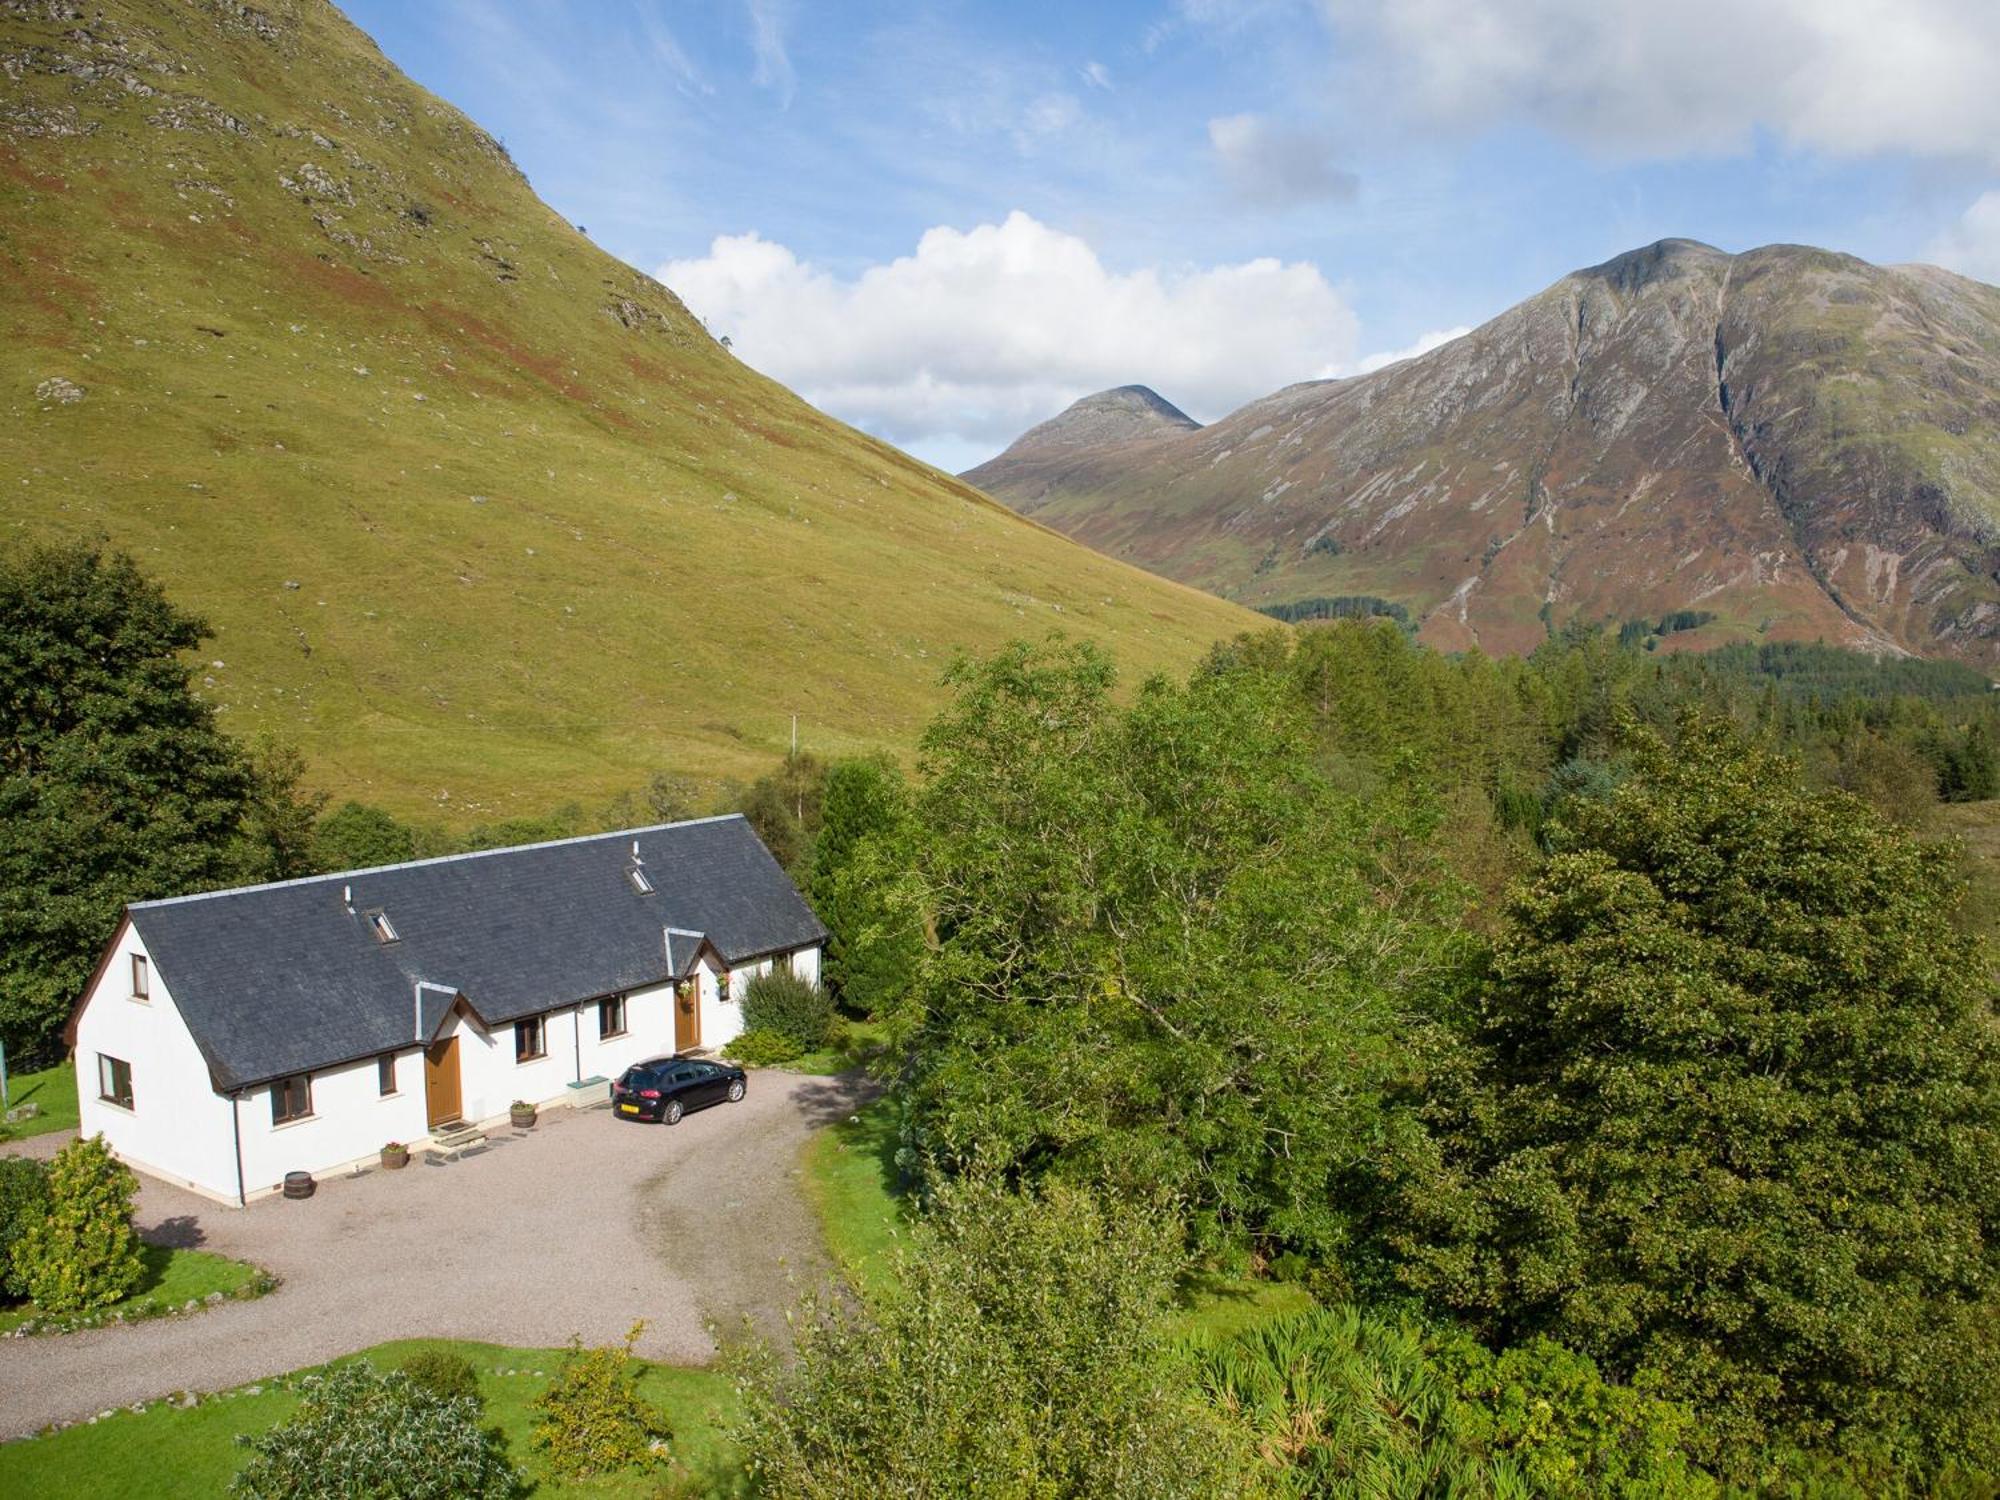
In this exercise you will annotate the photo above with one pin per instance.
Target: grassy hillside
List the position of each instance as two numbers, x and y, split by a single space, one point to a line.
483 518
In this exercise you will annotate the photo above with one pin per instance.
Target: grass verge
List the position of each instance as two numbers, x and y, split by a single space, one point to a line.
173 1279
859 1043
169 1450
853 1186
52 1091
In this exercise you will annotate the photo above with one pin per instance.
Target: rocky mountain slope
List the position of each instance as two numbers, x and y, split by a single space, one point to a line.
483 518
1795 443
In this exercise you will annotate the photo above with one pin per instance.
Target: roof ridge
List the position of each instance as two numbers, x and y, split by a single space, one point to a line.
435 859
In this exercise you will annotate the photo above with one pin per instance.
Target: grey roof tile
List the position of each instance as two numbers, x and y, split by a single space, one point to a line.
280 979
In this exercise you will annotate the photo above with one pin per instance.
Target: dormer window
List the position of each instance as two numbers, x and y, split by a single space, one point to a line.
380 925
637 875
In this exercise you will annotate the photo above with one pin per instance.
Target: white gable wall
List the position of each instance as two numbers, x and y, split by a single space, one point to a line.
178 1127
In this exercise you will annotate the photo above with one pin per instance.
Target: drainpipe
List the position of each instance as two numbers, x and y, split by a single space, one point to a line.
576 1039
236 1127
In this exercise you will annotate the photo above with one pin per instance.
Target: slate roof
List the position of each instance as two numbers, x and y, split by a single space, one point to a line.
281 979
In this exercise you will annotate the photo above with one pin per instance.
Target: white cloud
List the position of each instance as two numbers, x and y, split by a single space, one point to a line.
1096 75
981 333
1851 77
1424 344
1972 245
767 40
1277 166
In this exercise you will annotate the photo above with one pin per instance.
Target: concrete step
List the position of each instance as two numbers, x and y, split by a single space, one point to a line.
453 1141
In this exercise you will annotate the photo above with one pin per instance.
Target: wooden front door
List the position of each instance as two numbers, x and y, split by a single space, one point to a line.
441 1082
687 1017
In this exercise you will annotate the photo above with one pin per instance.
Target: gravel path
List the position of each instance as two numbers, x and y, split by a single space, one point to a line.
579 1226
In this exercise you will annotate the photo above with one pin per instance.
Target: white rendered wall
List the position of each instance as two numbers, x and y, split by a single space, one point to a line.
350 1123
178 1126
649 1032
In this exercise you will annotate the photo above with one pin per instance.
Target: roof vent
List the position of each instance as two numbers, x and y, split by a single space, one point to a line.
347 898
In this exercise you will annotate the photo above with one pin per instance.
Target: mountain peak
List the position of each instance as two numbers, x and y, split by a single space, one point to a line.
1123 414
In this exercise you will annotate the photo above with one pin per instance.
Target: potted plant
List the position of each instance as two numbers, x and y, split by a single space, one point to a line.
522 1114
395 1156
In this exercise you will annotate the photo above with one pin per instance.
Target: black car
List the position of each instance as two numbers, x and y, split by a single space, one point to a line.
665 1088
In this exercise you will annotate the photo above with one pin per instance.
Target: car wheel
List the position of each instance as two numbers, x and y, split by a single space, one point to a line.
736 1091
671 1115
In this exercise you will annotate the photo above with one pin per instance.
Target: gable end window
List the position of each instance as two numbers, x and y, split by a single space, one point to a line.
530 1041
385 1073
381 926
291 1098
610 1018
114 1081
142 978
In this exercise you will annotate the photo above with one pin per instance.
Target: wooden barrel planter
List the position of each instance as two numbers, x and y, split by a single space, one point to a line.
299 1184
395 1157
522 1115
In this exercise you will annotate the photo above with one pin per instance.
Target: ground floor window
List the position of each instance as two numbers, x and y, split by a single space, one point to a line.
529 1039
385 1073
291 1098
114 1080
611 1017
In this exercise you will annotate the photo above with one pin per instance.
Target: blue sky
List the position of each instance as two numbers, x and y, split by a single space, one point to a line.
944 221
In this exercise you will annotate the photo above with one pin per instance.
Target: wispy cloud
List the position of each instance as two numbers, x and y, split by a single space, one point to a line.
1269 165
768 19
1095 74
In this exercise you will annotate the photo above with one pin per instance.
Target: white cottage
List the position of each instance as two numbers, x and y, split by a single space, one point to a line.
231 1037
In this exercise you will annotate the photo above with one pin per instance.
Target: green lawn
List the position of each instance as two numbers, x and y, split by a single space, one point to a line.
851 1182
166 1451
1215 1307
172 1278
54 1090
859 1042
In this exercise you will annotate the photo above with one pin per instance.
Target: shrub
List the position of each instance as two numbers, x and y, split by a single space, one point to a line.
788 1005
592 1420
360 1432
1022 1355
1339 1402
24 1196
443 1373
759 1048
80 1252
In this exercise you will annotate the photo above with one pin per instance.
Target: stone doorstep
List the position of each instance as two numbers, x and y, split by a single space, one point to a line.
453 1141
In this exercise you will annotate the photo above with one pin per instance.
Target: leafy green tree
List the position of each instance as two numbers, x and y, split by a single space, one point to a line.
784 807
1168 954
1022 1356
358 1431
791 1007
355 836
1729 1115
115 783
79 1252
864 850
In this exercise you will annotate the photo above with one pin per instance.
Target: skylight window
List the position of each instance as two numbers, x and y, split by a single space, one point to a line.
380 925
639 881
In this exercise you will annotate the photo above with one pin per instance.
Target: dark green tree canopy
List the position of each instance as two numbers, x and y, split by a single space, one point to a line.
115 782
1731 1109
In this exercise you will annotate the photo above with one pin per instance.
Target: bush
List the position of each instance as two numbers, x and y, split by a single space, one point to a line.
798 1011
360 1432
1022 1355
445 1374
758 1048
80 1252
592 1419
24 1197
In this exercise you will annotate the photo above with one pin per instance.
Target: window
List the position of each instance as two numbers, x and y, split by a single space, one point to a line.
385 1073
639 881
114 1081
291 1098
142 979
528 1039
722 986
782 964
382 927
611 1017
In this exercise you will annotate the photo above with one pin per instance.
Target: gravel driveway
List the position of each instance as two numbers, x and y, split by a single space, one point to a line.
579 1226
